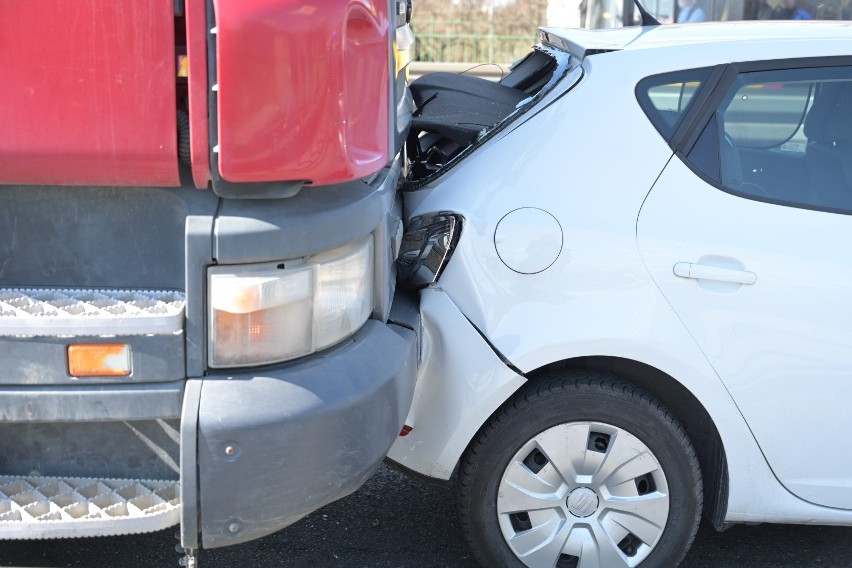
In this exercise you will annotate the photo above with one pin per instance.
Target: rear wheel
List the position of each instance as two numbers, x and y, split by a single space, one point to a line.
581 470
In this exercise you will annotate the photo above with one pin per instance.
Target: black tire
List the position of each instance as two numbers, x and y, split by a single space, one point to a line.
578 397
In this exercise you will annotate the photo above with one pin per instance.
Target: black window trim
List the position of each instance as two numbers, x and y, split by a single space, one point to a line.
693 126
692 120
710 77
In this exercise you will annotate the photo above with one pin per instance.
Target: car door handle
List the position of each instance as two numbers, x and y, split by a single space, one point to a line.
704 272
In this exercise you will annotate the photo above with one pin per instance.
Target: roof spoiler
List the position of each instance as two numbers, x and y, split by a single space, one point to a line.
581 42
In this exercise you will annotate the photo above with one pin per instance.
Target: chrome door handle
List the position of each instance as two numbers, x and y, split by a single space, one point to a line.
704 272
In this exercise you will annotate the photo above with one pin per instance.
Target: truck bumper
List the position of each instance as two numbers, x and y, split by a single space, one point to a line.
276 444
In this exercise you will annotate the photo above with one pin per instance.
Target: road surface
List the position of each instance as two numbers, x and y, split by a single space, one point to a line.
397 522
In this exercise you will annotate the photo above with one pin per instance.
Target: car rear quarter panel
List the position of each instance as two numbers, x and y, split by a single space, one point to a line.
590 160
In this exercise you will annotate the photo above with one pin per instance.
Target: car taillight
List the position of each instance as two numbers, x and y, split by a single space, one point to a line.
426 248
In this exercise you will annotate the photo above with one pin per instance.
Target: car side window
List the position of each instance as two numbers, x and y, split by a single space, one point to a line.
783 136
667 98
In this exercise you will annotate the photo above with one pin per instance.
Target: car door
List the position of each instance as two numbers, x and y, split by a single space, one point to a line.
747 233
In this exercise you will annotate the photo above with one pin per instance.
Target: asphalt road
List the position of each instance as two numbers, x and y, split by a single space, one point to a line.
397 522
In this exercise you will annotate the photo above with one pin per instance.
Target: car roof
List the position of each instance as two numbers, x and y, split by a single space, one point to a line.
581 42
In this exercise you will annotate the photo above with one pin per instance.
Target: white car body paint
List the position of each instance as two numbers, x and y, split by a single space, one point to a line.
598 298
528 240
783 345
463 377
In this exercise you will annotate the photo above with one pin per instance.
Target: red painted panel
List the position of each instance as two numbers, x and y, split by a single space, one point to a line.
199 127
88 94
303 89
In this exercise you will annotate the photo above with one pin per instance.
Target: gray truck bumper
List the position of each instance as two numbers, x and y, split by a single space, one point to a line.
279 443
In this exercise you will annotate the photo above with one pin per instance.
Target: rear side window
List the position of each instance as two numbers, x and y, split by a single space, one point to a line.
783 136
768 110
667 98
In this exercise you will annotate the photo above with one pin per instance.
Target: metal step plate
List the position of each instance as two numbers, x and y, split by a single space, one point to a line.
52 507
60 312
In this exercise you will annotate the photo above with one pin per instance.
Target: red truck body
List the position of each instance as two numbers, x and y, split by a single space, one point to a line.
91 87
89 93
315 106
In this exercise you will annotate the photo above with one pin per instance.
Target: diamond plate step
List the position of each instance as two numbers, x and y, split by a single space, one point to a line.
53 507
59 312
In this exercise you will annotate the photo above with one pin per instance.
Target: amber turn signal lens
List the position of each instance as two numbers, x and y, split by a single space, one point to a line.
99 360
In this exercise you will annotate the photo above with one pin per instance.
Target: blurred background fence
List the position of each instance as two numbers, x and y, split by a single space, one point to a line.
473 42
478 31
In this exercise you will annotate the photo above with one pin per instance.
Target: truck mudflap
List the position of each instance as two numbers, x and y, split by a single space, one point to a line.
275 444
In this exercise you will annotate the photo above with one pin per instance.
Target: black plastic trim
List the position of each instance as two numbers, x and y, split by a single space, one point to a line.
686 130
566 63
708 76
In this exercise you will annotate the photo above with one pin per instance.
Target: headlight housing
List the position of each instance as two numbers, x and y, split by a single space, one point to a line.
427 245
269 313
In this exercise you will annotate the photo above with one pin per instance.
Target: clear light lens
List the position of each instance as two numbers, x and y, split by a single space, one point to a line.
261 314
241 294
344 295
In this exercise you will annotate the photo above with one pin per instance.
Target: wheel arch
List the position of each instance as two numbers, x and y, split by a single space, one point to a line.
691 413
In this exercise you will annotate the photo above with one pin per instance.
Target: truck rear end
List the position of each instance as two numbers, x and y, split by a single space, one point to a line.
198 223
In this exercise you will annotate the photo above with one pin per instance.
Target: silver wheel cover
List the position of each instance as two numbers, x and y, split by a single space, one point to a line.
587 490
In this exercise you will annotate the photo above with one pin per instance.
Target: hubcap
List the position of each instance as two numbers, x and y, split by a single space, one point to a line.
587 490
582 502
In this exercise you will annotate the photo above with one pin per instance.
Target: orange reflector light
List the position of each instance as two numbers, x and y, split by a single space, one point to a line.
182 66
99 360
